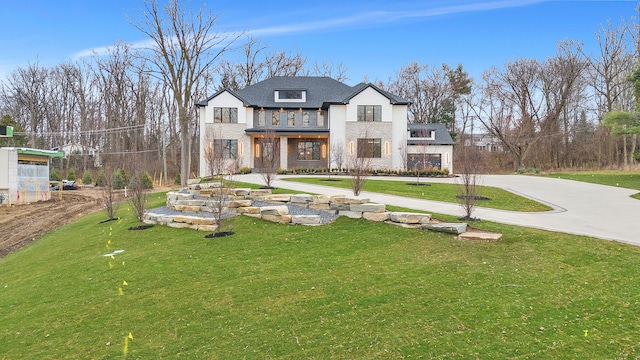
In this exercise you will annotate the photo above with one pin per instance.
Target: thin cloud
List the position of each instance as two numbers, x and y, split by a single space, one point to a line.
367 18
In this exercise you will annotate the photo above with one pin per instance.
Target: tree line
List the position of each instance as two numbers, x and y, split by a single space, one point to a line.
551 114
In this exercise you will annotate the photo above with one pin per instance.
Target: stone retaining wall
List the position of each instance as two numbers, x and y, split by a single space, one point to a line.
197 207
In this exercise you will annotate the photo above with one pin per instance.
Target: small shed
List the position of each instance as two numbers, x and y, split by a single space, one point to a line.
24 175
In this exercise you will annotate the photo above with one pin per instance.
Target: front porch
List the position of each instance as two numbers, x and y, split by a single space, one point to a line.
290 151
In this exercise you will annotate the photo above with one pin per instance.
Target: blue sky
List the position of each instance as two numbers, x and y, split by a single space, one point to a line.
373 38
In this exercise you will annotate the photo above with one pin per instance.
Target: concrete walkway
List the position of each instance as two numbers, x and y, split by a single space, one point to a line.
580 208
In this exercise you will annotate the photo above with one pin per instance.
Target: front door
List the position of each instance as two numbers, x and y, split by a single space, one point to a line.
266 154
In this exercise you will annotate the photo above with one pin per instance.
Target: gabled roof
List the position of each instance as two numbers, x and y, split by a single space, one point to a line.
206 101
394 99
442 134
320 91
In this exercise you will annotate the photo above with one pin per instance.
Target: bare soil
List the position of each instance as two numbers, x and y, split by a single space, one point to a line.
20 225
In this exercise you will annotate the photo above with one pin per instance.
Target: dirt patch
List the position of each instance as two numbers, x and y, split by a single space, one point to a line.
22 224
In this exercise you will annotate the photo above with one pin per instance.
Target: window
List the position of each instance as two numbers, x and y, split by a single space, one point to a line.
275 118
309 150
228 148
305 119
225 115
261 118
422 134
291 118
320 118
290 96
369 112
369 148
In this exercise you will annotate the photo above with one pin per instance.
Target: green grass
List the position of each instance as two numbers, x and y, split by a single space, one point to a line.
348 290
500 199
625 179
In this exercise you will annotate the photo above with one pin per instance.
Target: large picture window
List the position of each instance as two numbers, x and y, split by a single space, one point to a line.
275 118
225 115
369 148
309 150
369 113
227 147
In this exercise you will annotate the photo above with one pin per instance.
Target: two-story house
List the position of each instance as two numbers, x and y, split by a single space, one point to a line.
311 118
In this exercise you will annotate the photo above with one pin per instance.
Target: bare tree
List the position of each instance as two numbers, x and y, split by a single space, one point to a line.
137 188
469 179
109 201
184 49
269 156
359 164
338 154
335 71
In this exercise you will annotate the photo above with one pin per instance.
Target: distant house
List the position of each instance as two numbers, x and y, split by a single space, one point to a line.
311 118
74 149
485 142
24 174
429 146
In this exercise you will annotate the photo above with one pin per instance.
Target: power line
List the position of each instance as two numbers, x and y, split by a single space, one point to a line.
82 132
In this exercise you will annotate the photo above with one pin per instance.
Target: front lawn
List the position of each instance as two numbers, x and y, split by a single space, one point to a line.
500 199
349 290
625 179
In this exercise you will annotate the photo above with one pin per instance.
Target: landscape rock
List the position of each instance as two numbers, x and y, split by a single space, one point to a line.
409 218
368 207
306 219
481 236
378 217
350 214
451 228
274 210
350 200
282 219
301 198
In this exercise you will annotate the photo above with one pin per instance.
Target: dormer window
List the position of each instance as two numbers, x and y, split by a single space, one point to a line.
290 96
422 134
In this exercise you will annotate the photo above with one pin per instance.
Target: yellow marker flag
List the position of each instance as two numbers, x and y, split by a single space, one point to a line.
110 265
110 228
125 350
120 292
124 283
112 258
109 241
123 263
130 336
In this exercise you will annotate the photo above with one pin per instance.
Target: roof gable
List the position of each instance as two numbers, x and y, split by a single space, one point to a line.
319 92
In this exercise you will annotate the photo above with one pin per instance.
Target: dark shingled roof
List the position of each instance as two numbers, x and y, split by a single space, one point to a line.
320 92
442 134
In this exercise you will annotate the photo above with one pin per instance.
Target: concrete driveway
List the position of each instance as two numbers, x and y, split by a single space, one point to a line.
580 208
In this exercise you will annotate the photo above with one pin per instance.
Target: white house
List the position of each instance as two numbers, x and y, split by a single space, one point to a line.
24 174
311 118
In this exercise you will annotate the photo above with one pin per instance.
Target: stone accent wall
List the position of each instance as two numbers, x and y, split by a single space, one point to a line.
195 209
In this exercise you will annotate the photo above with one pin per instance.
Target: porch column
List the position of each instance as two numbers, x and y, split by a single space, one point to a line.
283 152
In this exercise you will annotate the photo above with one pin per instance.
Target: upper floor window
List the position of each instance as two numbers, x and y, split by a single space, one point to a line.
369 112
305 119
275 118
291 118
320 118
225 115
369 148
422 134
261 118
290 96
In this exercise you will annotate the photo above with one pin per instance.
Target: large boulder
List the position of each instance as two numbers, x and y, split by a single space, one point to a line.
409 218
